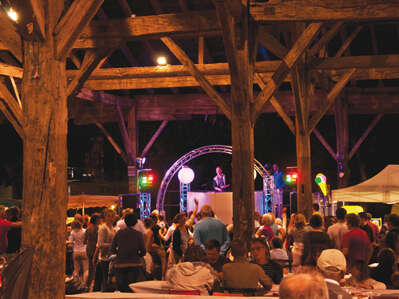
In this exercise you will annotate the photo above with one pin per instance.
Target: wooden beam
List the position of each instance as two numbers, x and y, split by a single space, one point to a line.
11 103
9 37
104 98
102 33
125 7
72 23
132 128
114 144
324 10
365 134
270 42
153 138
10 117
10 70
76 61
348 41
325 38
201 50
286 65
325 143
90 61
203 82
332 95
125 136
15 88
276 105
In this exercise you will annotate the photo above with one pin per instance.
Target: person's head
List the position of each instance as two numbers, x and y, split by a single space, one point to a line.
13 214
304 286
315 207
386 259
275 167
148 222
259 250
238 249
109 216
352 220
369 216
180 219
194 253
130 219
78 217
206 211
359 270
95 219
126 211
219 170
212 250
300 221
268 169
393 221
340 213
76 225
277 243
316 222
332 264
363 217
267 219
257 216
279 221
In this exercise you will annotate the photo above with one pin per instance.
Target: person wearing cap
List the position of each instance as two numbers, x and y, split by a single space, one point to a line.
332 265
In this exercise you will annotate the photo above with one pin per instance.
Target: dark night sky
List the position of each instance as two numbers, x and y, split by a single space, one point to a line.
273 144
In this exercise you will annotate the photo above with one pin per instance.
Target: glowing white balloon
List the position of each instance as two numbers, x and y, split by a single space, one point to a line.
185 175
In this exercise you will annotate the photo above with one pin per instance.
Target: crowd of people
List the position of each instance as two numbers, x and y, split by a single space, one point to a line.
107 252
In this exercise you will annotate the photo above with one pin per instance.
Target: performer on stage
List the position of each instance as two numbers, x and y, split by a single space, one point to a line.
219 181
278 193
268 189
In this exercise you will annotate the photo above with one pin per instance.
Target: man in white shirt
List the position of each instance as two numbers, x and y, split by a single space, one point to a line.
337 231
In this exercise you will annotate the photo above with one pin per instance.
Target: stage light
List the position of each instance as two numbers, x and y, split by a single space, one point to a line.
291 177
321 181
146 179
255 174
12 14
186 175
162 61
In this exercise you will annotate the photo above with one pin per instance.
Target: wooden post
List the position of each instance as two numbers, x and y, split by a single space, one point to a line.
45 163
132 133
342 135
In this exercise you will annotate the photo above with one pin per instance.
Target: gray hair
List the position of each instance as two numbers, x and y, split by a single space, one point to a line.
304 286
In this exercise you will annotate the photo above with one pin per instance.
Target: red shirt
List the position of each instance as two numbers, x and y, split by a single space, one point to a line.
374 228
357 242
5 226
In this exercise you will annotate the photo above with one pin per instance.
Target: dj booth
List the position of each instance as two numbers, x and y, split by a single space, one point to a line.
221 203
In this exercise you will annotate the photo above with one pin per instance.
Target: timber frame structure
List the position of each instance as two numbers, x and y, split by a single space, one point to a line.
87 60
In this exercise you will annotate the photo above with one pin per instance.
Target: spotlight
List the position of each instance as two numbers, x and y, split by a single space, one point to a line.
12 14
162 61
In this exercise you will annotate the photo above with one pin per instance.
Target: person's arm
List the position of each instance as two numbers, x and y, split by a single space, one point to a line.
197 237
264 280
114 245
95 256
148 239
141 246
190 221
226 244
177 242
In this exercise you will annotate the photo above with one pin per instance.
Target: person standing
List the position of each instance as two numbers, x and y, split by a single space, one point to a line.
80 260
219 181
211 228
278 190
128 244
91 243
337 231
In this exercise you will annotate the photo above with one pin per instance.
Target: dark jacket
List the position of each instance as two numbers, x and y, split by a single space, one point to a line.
128 244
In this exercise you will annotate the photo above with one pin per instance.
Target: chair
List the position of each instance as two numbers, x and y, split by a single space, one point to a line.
184 292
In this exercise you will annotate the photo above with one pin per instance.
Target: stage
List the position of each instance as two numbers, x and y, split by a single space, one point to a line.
221 203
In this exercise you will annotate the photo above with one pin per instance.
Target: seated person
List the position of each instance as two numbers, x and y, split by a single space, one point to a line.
278 254
360 277
241 274
386 267
260 254
332 265
213 256
192 274
303 285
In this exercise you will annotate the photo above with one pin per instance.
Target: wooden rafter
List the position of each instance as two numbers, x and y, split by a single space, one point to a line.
9 37
332 95
285 66
72 23
271 43
11 110
90 61
111 140
324 10
325 38
193 70
324 142
31 18
345 45
365 134
10 70
104 98
276 105
154 138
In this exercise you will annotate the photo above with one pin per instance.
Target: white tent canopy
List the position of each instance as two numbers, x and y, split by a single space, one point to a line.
381 188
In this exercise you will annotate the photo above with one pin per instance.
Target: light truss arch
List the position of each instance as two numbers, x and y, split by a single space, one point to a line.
204 150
